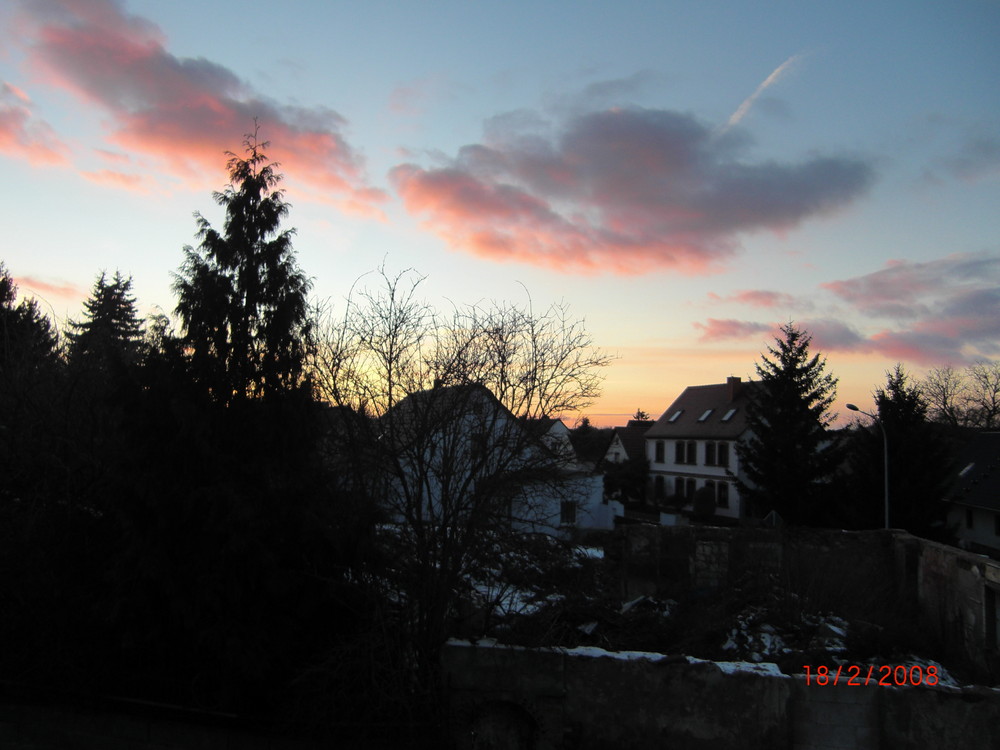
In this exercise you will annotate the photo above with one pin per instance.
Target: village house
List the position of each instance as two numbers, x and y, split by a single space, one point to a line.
628 442
458 450
974 500
625 466
692 448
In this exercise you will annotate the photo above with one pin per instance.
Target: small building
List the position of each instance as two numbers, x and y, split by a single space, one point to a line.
692 448
628 442
974 500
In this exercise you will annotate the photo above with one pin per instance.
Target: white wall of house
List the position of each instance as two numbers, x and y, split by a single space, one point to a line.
616 451
697 463
976 525
567 505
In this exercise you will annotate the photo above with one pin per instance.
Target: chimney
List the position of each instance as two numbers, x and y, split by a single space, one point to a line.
733 386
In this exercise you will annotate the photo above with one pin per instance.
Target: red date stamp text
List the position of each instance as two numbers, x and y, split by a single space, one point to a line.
860 675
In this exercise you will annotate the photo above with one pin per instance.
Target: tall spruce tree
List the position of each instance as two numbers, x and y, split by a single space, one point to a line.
242 298
789 457
111 333
920 463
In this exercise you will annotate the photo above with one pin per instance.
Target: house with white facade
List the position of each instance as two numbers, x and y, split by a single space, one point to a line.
457 451
974 499
581 497
692 447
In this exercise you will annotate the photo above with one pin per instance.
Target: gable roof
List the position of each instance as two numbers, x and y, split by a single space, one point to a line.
439 407
706 411
977 481
541 426
633 437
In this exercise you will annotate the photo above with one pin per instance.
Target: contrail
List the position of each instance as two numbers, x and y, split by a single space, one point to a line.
742 110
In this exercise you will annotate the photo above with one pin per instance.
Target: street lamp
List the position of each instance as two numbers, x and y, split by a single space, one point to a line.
885 447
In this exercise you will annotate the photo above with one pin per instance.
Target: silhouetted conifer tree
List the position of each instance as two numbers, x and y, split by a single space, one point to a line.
28 341
920 463
111 332
789 457
242 297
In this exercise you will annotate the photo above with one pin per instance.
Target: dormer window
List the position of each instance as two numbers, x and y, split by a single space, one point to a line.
728 415
706 415
676 415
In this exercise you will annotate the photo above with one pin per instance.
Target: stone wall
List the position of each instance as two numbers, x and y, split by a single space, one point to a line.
508 697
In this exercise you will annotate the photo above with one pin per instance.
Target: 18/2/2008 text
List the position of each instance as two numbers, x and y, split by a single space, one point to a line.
859 676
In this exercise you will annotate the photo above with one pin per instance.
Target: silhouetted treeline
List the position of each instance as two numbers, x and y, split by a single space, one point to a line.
171 525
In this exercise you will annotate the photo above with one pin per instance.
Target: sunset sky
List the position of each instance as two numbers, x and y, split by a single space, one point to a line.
686 176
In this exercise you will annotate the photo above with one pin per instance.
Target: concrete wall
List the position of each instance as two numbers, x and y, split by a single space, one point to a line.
954 594
506 697
957 593
567 699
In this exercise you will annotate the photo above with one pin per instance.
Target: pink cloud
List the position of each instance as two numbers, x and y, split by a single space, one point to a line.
25 136
113 156
64 290
828 335
944 311
118 179
947 310
762 298
835 336
626 190
185 112
715 329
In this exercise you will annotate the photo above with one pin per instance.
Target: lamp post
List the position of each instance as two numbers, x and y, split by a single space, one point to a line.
885 448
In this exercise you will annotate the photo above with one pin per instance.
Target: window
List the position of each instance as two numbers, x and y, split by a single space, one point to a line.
679 486
968 518
658 487
728 415
567 513
676 415
705 415
659 451
716 454
689 488
722 498
722 454
692 451
679 452
996 524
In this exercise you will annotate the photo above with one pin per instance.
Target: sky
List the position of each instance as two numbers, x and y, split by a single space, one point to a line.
686 177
